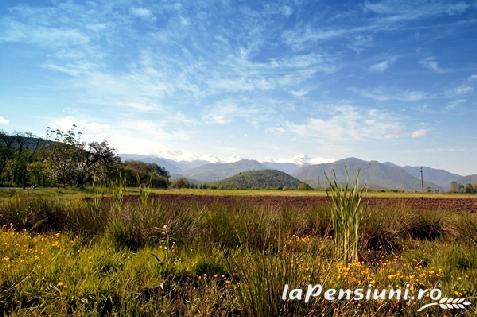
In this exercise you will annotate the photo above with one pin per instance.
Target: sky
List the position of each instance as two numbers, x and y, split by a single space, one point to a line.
222 80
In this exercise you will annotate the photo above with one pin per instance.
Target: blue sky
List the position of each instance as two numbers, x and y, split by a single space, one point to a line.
279 80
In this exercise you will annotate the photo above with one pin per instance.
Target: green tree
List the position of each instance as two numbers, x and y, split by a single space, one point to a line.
454 187
469 189
70 161
140 173
16 152
181 183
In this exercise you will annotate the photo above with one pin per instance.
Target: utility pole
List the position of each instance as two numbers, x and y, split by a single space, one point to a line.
422 181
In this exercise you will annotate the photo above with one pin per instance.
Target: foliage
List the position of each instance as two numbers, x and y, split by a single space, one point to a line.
181 182
138 173
64 159
17 152
266 179
70 161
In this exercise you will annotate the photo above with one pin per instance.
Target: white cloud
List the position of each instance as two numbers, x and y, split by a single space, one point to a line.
348 122
382 66
381 94
238 73
221 114
4 121
419 133
473 77
127 135
392 14
432 64
278 130
15 31
416 9
299 92
306 159
462 90
455 104
300 159
228 110
141 12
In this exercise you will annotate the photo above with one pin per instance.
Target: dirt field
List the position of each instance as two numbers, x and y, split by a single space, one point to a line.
421 203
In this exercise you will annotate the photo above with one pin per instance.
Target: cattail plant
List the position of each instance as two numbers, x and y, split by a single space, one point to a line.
346 215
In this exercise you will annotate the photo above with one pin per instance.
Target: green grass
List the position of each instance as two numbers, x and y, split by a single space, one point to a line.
62 255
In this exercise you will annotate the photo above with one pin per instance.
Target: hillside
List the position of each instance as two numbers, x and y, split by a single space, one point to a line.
218 171
174 167
25 141
439 177
169 165
469 179
376 175
266 179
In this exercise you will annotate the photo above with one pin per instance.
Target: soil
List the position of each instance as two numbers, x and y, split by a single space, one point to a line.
423 203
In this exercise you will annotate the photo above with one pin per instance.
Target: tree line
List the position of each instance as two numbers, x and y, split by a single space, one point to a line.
456 187
63 159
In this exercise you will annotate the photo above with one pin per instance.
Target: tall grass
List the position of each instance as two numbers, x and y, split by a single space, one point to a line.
346 216
222 258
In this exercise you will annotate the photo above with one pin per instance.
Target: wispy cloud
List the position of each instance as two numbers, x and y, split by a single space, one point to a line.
141 12
348 122
127 135
389 16
416 9
387 94
454 104
225 111
299 92
278 130
302 159
432 64
171 72
419 133
382 65
461 90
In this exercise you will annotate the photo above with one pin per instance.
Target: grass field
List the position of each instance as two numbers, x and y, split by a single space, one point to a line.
61 254
71 193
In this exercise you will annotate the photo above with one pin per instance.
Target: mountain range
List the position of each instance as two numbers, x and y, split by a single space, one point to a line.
375 174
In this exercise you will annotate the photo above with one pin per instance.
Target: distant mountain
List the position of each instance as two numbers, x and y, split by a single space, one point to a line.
469 179
217 171
374 174
187 165
377 175
266 179
288 168
439 177
174 167
170 165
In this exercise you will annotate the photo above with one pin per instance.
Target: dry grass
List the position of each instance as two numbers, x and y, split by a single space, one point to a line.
76 257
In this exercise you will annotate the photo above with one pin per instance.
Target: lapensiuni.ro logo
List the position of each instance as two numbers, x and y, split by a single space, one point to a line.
370 293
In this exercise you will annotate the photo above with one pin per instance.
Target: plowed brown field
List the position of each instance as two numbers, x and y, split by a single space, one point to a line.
424 203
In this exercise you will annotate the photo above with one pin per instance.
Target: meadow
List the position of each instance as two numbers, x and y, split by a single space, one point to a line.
141 252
